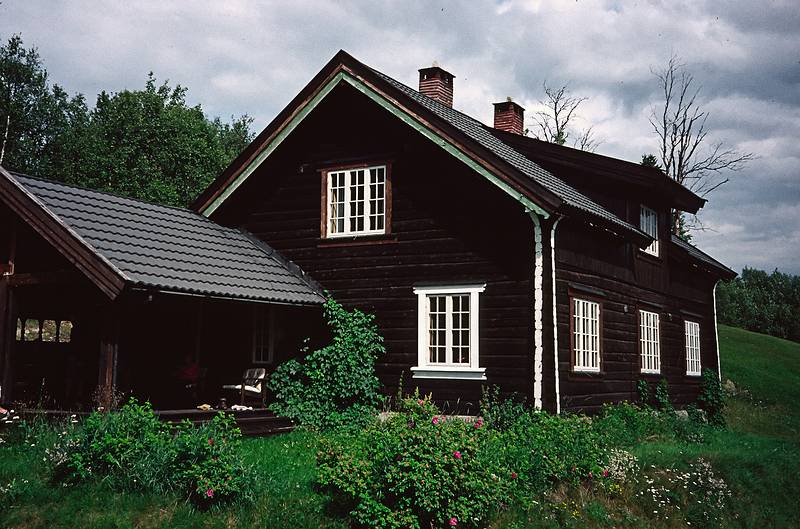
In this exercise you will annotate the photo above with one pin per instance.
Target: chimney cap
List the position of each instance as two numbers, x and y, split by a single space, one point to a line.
434 71
508 103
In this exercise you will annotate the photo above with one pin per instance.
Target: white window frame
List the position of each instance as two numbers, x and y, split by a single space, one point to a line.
350 173
649 342
585 335
427 369
648 222
692 338
263 322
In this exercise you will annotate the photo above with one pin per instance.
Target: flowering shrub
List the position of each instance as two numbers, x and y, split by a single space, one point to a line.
698 494
622 466
416 469
335 385
131 449
712 398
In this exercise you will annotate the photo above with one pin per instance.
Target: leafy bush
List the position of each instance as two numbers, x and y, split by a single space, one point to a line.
662 396
131 449
337 384
416 469
644 392
711 398
626 424
497 412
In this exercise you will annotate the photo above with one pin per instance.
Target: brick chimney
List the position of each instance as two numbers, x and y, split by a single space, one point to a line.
509 116
437 84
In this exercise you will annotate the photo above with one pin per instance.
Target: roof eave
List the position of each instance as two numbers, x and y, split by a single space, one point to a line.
110 280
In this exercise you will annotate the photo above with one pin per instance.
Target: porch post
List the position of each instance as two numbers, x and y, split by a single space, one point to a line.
8 315
109 345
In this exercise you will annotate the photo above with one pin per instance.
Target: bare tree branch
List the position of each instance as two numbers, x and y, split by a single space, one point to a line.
553 122
680 126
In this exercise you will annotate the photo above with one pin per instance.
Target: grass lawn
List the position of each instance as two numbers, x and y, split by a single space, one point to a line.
758 455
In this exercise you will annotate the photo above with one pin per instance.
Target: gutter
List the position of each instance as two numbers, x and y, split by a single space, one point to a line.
538 304
716 331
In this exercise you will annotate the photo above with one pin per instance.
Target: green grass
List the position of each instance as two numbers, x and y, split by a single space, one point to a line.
758 455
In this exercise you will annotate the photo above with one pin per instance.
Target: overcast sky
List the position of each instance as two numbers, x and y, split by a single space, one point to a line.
240 57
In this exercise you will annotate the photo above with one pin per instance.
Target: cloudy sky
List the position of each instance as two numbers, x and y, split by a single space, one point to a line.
240 57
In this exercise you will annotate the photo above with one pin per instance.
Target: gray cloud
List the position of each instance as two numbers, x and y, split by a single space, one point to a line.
252 57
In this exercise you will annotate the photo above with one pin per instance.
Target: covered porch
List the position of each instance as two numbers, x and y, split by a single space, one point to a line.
104 298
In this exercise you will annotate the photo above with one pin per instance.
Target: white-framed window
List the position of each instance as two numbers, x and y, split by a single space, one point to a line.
586 335
648 222
263 334
692 332
447 339
649 343
356 203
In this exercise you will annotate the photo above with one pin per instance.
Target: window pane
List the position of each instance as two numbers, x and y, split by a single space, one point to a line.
19 329
31 330
49 330
65 331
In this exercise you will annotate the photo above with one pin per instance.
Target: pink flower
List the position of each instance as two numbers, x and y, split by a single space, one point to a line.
479 422
209 493
435 420
513 475
210 441
457 454
590 475
453 522
605 473
420 402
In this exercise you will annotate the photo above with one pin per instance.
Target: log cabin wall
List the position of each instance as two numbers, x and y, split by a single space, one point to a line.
591 264
448 226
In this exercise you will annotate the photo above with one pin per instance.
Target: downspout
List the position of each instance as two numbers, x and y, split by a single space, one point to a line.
538 304
716 332
555 316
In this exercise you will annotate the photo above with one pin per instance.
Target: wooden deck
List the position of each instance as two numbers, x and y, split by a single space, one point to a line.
252 423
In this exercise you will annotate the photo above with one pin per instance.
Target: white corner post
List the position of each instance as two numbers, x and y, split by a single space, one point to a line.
716 331
555 315
538 304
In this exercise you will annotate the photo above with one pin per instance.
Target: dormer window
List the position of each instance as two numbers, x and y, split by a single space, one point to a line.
356 201
648 222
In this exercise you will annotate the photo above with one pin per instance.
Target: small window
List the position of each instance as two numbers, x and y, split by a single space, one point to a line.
586 335
356 203
648 222
448 332
65 331
692 332
263 326
649 342
19 330
31 330
49 331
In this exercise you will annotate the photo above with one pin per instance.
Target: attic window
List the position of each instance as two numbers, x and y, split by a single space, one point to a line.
648 222
356 201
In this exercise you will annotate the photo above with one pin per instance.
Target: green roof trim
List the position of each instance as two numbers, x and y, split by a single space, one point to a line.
398 112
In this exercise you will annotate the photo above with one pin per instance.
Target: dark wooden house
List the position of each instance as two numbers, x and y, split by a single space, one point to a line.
487 256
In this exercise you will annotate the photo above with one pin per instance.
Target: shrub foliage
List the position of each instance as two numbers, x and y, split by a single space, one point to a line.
337 384
131 449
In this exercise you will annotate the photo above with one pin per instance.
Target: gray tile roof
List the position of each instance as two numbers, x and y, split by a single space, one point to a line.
480 133
174 249
698 254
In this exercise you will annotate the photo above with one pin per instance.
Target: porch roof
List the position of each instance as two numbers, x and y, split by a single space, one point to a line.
171 249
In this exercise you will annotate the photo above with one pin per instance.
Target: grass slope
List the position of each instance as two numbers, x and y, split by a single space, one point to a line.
758 455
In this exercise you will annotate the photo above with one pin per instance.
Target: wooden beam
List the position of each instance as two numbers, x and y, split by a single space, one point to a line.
44 278
109 347
8 329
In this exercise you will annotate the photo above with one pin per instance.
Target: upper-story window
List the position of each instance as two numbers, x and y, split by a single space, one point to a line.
356 201
648 222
